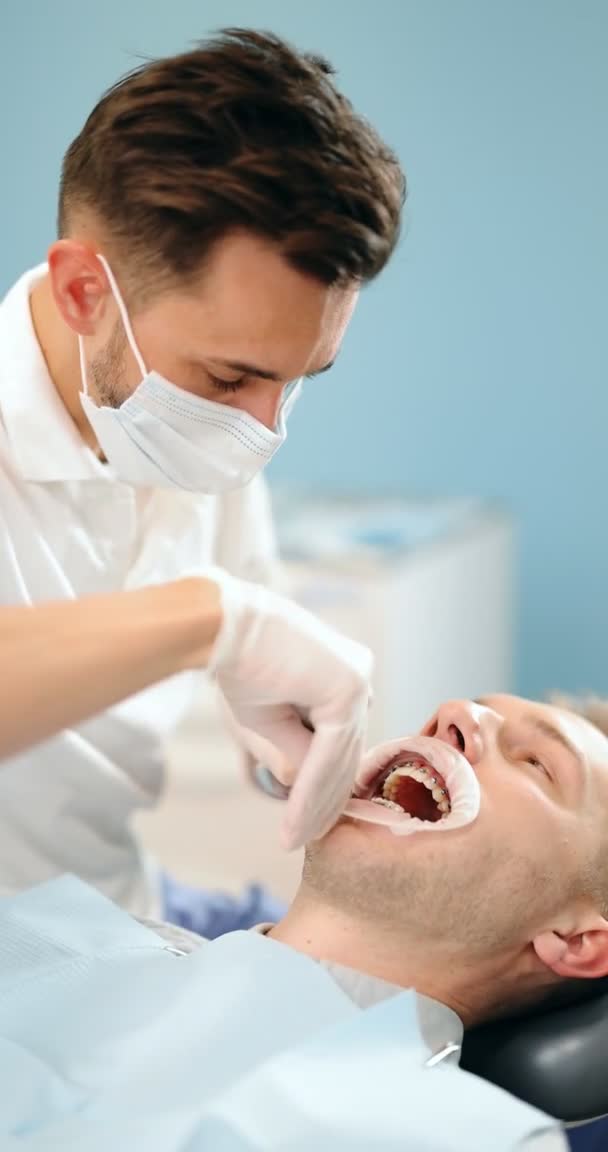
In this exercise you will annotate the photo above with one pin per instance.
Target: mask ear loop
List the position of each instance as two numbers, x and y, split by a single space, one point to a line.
291 392
83 366
124 315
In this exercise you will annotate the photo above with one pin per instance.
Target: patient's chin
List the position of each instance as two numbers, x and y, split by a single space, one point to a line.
378 838
328 837
336 845
354 846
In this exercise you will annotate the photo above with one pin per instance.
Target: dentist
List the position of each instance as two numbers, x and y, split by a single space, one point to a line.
218 214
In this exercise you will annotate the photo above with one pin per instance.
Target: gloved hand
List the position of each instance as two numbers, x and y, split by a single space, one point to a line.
283 672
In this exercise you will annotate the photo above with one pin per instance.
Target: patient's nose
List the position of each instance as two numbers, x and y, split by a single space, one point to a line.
458 722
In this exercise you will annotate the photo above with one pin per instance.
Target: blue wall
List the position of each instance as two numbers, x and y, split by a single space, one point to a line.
477 365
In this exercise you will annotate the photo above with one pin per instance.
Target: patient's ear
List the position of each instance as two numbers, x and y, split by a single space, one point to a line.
582 954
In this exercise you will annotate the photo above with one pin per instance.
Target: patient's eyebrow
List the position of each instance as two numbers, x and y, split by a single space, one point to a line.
546 728
551 732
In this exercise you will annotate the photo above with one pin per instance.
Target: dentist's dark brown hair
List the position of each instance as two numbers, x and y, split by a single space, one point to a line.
243 133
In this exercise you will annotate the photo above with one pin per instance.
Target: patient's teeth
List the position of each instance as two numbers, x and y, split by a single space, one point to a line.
416 773
423 776
389 804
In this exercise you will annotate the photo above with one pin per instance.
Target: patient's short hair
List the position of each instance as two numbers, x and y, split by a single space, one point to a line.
593 709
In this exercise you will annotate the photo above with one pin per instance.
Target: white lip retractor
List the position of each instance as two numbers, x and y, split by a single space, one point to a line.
428 755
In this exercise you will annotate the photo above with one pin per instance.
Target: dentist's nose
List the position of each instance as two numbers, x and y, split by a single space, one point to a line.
460 724
264 403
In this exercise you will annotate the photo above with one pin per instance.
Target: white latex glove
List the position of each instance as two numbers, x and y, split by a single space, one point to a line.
279 669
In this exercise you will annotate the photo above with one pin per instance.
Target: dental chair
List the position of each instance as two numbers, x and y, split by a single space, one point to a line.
554 1058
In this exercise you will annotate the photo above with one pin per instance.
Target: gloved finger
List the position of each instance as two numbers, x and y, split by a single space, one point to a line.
276 736
266 752
323 785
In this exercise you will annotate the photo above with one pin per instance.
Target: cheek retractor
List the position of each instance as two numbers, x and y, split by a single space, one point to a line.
416 784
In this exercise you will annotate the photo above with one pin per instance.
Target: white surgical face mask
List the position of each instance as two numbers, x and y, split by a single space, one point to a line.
165 437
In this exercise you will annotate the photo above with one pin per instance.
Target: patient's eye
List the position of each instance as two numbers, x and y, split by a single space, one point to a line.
533 760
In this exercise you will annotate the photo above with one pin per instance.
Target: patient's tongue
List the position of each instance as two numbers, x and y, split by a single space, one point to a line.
416 799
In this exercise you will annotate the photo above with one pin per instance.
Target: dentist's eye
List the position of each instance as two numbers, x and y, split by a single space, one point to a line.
226 385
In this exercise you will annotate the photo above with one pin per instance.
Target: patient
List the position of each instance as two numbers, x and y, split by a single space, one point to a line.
497 912
479 917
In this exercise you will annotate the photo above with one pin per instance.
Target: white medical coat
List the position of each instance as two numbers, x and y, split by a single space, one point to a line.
69 528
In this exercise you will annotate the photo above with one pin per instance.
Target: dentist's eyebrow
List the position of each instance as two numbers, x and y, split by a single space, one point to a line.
320 371
265 373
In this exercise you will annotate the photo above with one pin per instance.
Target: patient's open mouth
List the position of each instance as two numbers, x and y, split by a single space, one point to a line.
416 784
411 785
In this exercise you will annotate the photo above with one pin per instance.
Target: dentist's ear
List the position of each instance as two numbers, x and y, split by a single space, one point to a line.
79 283
582 954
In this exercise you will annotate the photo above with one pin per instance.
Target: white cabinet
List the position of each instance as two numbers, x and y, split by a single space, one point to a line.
428 586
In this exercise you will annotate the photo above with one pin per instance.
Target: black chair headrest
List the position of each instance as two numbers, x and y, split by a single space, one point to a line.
554 1057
